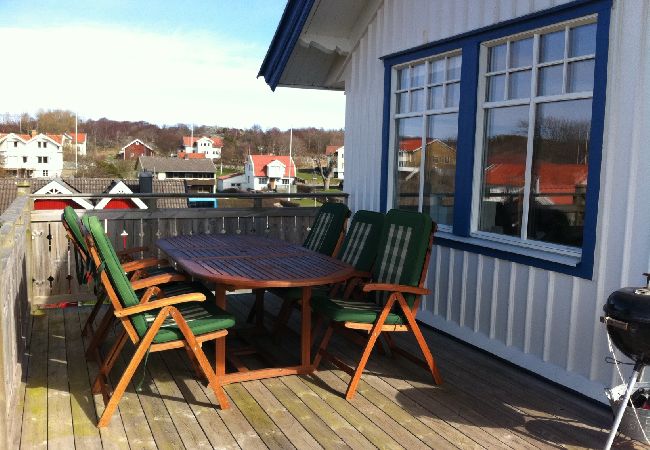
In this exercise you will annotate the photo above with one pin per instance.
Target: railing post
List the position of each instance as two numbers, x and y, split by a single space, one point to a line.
24 189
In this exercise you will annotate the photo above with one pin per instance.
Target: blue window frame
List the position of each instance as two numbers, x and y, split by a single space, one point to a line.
462 233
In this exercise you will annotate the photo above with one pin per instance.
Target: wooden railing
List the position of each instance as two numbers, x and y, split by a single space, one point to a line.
54 263
15 286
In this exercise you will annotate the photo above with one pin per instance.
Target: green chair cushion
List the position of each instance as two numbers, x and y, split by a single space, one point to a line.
362 240
362 311
327 227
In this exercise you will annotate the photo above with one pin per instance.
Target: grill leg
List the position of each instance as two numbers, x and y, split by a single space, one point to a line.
636 375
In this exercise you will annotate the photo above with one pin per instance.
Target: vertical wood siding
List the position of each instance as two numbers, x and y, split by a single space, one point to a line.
544 321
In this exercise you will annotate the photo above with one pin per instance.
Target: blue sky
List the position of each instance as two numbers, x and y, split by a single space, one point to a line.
163 61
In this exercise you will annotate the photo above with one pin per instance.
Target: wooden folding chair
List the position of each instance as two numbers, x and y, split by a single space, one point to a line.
153 323
326 237
393 295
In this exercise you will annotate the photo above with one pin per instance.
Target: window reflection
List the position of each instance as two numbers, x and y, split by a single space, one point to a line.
440 167
504 169
559 175
409 154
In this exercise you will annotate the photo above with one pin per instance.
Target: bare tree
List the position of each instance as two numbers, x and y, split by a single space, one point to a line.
325 167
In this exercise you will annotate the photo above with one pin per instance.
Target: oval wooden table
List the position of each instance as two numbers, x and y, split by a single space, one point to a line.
253 262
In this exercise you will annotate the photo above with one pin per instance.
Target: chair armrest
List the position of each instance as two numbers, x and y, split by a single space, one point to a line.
157 280
404 289
157 304
132 266
128 251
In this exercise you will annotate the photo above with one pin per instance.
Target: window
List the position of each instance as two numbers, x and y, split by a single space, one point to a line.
263 180
41 160
40 144
426 101
285 181
24 159
45 173
15 144
497 135
44 144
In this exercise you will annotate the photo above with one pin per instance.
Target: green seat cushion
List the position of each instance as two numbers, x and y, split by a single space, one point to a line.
72 220
361 242
352 311
202 317
327 227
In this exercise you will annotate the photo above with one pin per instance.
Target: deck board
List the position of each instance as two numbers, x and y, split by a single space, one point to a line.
483 403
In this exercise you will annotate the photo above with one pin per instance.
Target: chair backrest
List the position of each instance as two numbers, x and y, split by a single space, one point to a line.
362 240
327 228
71 220
119 283
403 248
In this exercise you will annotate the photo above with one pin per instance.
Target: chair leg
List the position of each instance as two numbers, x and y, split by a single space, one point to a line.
109 362
323 345
88 326
99 335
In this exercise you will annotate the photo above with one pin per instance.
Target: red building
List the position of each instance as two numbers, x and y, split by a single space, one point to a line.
135 149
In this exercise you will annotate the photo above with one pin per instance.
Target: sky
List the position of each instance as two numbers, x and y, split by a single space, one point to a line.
161 61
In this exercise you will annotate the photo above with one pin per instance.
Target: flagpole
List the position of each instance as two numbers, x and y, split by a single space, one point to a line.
290 163
76 143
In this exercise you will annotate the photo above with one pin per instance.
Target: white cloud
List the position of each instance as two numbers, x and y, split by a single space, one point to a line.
127 74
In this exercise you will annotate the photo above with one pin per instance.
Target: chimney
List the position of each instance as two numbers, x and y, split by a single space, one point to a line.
33 133
146 182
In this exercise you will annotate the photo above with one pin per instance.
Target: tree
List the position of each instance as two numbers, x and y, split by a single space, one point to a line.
325 167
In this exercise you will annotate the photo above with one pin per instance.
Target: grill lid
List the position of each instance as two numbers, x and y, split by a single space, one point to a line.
629 304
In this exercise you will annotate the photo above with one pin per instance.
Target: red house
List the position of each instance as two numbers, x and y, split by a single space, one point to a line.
135 149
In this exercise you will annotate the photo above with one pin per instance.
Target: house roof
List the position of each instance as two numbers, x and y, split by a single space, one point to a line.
56 138
162 164
230 175
136 141
331 149
8 188
313 40
81 137
189 141
261 161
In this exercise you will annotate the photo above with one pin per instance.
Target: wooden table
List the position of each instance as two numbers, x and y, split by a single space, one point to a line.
254 262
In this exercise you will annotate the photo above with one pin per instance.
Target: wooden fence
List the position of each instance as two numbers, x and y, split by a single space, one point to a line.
15 262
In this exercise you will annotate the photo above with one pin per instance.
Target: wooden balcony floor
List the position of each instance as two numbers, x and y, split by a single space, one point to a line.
482 404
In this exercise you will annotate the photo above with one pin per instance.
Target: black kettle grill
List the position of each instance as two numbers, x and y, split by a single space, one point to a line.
627 317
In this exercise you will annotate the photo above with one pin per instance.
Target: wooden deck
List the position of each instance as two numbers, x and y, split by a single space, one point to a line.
482 404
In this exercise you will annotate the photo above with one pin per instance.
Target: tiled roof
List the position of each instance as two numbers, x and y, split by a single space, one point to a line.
58 138
261 161
188 141
331 149
161 164
230 175
8 189
81 137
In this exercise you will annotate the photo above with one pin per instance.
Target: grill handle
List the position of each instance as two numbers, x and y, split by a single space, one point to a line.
615 323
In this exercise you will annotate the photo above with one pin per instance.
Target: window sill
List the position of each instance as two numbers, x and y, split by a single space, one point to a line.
512 252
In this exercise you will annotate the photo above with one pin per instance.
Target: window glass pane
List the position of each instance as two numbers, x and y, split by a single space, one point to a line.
417 100
497 58
559 176
437 71
440 167
582 40
496 88
403 102
519 84
436 97
417 75
403 79
453 68
409 154
550 80
453 95
552 46
504 164
581 76
521 53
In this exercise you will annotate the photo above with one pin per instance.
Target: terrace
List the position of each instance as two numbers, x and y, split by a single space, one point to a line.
45 395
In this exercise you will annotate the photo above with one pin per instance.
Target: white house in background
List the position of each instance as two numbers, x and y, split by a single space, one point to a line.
32 155
570 99
59 187
230 181
269 172
78 139
208 146
334 151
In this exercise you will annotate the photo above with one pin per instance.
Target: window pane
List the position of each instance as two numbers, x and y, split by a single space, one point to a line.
581 76
417 75
521 53
496 88
550 80
559 176
440 167
504 165
403 102
552 46
417 100
403 79
497 58
409 153
437 74
453 68
453 95
582 40
436 97
519 84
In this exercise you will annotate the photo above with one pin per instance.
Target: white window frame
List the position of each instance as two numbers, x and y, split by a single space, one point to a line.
483 105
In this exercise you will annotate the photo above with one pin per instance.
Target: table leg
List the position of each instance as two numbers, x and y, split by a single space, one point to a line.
305 332
220 347
259 308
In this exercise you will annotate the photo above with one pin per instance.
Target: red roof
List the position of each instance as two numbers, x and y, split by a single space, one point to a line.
81 137
230 175
188 141
410 145
261 161
331 149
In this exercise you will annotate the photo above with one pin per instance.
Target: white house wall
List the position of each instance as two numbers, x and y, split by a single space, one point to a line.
541 320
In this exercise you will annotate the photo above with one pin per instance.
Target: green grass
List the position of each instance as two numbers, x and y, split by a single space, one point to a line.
227 170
